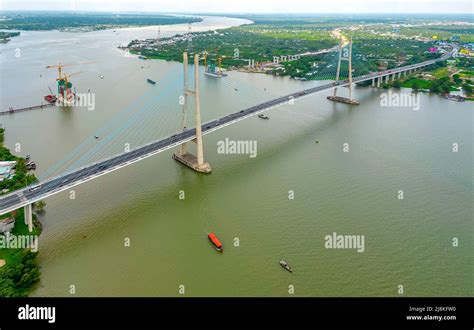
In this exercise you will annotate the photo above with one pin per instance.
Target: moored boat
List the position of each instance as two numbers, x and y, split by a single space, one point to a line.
50 98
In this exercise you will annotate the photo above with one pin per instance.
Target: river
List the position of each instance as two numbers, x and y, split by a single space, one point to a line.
246 200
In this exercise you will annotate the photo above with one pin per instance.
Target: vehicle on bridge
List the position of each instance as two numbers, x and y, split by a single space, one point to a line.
35 188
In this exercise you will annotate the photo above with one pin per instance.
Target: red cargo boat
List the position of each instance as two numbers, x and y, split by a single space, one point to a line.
215 241
50 98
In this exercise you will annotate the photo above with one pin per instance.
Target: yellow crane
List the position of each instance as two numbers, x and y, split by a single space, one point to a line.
60 69
61 66
65 83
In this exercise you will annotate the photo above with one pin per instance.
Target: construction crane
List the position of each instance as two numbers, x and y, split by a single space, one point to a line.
61 66
60 69
64 85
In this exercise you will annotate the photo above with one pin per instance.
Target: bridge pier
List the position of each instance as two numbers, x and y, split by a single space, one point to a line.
393 77
399 75
386 79
379 79
29 217
373 82
197 162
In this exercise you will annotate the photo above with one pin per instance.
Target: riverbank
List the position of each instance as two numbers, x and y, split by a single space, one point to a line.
83 22
6 36
303 48
19 269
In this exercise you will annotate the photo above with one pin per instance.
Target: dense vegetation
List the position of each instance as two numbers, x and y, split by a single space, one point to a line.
21 270
249 44
5 36
17 278
276 36
445 79
89 21
21 178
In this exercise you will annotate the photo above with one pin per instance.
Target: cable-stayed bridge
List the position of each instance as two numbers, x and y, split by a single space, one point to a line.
75 176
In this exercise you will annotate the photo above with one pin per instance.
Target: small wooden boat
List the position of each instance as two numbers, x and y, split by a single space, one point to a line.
285 265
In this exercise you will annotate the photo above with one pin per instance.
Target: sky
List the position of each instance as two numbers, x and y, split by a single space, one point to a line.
248 6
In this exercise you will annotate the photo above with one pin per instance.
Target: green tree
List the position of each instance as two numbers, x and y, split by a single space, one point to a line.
7 289
467 88
39 206
457 79
415 86
2 136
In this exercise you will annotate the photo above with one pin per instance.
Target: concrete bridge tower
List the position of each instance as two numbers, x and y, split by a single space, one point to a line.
182 155
347 57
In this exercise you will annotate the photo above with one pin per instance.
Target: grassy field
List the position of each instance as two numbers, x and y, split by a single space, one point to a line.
422 83
441 72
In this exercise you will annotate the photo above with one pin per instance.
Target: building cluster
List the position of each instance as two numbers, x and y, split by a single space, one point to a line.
7 224
7 170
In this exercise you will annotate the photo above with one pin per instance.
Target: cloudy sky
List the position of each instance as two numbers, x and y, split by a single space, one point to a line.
248 6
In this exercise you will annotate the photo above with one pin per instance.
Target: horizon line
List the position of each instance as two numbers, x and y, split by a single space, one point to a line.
233 13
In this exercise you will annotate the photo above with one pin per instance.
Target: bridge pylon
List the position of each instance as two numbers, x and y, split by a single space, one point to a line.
348 58
196 162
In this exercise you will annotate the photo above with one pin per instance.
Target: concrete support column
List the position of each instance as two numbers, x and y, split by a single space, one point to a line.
399 75
386 79
338 70
183 149
199 147
404 73
29 217
373 82
379 79
393 77
350 70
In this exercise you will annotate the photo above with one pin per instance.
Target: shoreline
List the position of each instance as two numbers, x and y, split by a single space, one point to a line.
14 255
